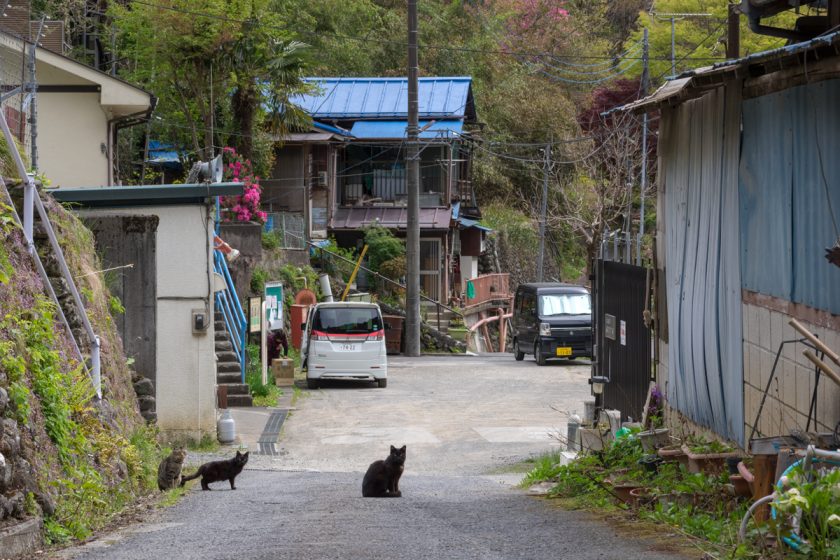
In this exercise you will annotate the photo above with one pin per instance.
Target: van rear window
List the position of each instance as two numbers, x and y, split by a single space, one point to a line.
343 320
565 304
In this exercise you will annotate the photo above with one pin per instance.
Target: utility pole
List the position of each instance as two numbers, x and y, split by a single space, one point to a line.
643 180
673 18
543 211
412 249
733 34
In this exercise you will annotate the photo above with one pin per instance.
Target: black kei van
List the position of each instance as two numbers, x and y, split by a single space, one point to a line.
552 320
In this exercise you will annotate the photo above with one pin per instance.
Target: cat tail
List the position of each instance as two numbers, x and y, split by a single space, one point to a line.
191 477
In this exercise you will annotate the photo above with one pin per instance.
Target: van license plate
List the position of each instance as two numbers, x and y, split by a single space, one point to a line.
564 351
347 347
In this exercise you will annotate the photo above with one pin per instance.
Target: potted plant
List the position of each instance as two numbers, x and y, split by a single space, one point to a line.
673 453
624 484
654 439
457 329
708 456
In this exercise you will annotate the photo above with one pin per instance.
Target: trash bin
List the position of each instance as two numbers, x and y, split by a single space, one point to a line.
393 333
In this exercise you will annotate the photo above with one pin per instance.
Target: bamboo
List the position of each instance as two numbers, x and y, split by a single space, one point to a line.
826 369
815 341
355 272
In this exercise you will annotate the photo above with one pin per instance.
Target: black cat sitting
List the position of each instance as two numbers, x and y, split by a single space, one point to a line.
382 479
216 471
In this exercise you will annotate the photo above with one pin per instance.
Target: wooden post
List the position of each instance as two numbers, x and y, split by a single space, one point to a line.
502 330
765 475
733 38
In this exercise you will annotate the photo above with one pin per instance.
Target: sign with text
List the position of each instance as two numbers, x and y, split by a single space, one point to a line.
609 326
274 305
254 305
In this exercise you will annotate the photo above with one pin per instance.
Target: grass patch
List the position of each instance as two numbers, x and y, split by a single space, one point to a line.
172 497
271 396
541 468
207 444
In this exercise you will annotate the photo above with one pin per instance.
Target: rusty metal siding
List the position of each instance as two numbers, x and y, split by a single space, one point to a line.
790 139
620 291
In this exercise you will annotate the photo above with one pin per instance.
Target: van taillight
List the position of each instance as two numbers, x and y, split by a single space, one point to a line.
378 335
318 335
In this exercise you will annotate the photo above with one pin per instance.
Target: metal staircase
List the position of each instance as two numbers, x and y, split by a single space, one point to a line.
230 327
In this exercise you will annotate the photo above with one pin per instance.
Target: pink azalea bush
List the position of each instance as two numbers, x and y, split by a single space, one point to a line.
245 207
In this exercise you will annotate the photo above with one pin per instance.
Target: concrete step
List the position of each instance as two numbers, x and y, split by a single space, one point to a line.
219 325
220 336
227 356
223 346
240 400
223 378
236 388
228 367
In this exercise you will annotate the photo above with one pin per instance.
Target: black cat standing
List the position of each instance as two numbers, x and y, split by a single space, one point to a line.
382 479
216 471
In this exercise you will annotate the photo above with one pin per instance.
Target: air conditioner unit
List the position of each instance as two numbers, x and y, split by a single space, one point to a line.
321 178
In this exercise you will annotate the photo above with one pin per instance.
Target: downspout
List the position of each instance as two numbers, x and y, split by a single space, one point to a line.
754 20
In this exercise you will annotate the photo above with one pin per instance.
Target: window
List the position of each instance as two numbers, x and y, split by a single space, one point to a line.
341 320
565 304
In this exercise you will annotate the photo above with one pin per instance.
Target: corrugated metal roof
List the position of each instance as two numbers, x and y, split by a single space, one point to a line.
397 129
382 98
390 217
695 83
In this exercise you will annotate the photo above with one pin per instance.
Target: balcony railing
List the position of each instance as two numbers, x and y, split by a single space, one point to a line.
488 287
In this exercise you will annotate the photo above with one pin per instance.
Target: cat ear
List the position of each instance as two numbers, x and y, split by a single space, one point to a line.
402 448
393 449
238 454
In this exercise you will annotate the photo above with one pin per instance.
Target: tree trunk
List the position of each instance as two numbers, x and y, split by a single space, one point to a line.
244 104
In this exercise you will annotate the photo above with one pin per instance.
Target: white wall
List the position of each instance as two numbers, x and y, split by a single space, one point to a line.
72 127
186 363
469 268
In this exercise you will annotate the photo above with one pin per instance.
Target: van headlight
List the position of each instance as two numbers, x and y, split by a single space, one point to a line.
545 329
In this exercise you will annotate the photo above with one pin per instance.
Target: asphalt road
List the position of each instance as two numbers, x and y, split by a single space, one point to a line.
464 422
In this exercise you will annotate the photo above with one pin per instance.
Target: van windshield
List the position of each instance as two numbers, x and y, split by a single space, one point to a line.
343 320
565 304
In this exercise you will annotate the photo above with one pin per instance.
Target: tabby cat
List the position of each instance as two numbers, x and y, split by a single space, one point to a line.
169 470
216 471
382 479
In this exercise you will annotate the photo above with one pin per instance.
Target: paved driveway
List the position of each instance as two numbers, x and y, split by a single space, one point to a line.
463 420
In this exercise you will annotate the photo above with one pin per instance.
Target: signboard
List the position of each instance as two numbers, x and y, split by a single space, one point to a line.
609 326
624 333
254 305
274 305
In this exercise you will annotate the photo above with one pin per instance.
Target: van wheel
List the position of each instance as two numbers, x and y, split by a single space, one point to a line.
311 383
518 354
382 383
538 356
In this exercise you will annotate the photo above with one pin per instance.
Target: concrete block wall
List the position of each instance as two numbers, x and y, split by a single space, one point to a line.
789 397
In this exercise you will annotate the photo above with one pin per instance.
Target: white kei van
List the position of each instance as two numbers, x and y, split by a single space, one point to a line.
345 340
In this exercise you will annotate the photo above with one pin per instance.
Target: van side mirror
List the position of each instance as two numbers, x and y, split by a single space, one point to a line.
303 326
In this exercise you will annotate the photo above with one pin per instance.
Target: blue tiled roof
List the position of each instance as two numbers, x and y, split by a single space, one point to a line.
387 98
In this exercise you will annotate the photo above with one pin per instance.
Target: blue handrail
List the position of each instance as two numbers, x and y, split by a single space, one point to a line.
227 302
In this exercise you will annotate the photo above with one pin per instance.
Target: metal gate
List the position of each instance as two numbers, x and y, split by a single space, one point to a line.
623 342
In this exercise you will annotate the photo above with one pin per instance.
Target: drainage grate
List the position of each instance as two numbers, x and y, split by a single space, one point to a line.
268 439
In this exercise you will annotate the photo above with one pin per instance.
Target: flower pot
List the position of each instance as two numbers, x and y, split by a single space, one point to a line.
642 496
740 485
673 454
458 333
622 491
709 463
652 440
592 439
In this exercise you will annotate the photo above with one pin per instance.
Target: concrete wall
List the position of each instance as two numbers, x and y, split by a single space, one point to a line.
185 363
128 242
789 398
247 239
